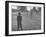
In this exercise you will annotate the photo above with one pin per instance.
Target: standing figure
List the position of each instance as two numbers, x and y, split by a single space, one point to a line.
19 20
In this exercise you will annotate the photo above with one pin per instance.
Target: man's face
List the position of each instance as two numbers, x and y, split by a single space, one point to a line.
19 14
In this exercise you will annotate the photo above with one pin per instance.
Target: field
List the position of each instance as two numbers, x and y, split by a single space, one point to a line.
29 22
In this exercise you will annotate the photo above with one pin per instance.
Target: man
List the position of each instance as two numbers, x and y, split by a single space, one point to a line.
19 20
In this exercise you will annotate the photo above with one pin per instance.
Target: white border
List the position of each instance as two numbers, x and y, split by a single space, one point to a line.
30 31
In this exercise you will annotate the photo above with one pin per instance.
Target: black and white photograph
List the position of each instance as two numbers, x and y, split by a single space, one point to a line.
25 18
